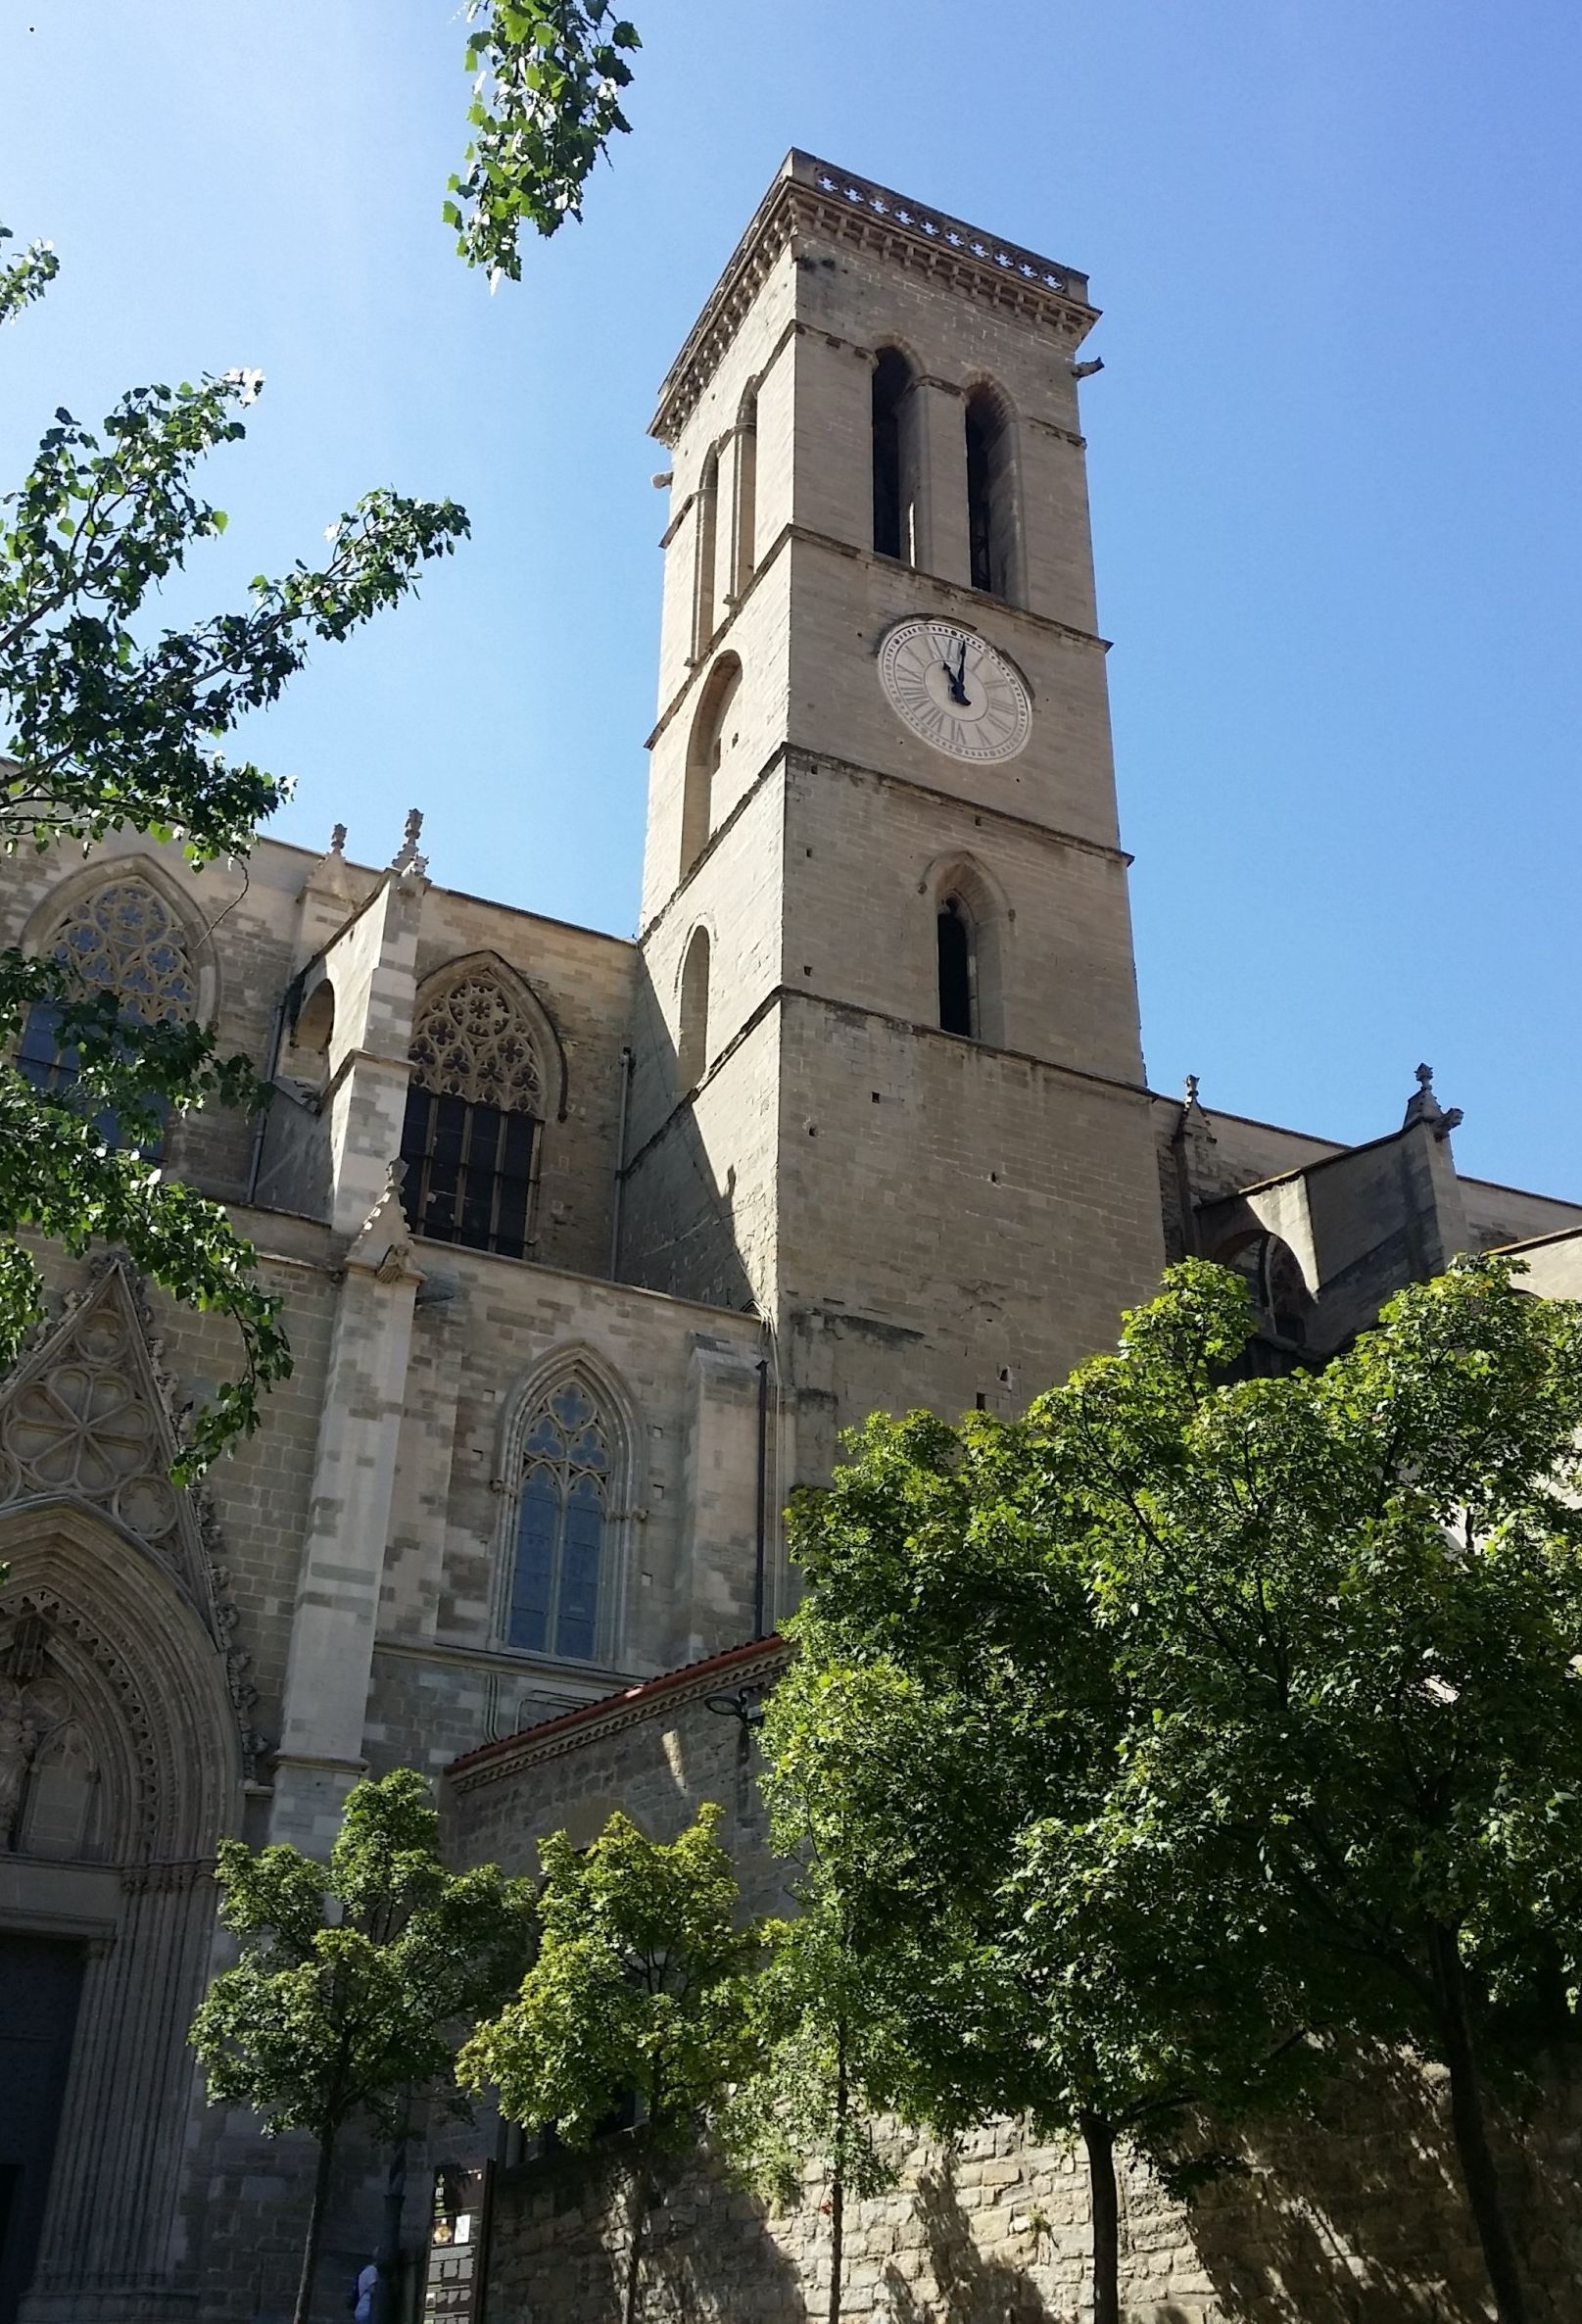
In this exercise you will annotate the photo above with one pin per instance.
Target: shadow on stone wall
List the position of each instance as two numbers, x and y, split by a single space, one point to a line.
970 2286
1356 2216
559 2241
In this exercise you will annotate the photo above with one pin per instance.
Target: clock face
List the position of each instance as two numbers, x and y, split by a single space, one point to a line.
954 689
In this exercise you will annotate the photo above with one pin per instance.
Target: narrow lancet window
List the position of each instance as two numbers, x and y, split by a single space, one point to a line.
704 611
893 381
557 1574
955 944
990 494
744 542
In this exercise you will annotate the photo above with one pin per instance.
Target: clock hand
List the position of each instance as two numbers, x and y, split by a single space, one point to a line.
958 692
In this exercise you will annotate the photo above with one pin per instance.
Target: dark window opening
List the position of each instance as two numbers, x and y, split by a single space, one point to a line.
955 969
469 1172
987 495
54 1071
892 378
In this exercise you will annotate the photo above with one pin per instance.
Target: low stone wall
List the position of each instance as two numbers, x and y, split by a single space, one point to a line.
1354 2219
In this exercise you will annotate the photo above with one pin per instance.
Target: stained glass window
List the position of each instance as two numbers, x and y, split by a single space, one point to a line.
119 938
560 1528
472 1114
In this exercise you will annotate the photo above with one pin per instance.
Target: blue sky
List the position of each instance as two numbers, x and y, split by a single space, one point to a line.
1334 453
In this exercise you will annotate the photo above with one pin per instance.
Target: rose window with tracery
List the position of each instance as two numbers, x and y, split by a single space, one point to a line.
472 1113
122 938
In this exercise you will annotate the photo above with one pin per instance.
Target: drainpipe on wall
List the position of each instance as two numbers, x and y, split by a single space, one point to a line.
761 1576
627 1062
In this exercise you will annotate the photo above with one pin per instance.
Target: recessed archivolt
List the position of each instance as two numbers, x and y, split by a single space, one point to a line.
84 1612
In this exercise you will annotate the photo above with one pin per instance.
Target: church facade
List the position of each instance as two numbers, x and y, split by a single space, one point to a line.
589 1249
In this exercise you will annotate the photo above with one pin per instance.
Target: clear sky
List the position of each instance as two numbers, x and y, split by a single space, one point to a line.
1334 453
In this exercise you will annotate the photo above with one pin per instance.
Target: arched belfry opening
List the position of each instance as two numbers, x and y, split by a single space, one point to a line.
953 935
706 748
894 513
992 498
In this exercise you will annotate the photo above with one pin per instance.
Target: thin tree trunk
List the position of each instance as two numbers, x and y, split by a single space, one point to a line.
303 2312
634 2249
1469 2120
837 2238
1105 2200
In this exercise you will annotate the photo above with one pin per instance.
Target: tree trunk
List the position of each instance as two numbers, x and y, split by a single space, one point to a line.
837 2173
304 2310
1469 2120
1099 2140
634 2249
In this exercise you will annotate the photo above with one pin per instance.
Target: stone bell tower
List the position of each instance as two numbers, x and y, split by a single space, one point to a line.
888 1086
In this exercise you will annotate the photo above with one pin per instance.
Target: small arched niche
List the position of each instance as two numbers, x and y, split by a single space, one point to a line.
993 515
707 748
691 1031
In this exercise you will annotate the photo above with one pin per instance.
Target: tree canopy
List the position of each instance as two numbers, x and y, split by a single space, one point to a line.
106 725
545 103
1298 1654
353 1983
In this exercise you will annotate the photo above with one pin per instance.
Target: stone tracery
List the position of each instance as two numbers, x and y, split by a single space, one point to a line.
471 1041
121 938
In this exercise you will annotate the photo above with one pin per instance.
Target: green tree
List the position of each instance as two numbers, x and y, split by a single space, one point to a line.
821 2007
1349 1606
100 729
354 1978
952 1732
546 102
641 1990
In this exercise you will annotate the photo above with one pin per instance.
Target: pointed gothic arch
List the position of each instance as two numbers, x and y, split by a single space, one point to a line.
568 1453
488 1067
122 928
972 923
707 745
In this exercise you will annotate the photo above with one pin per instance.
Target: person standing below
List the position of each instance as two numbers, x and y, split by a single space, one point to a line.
361 2303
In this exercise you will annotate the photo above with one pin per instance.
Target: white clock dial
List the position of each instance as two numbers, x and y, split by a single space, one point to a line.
951 687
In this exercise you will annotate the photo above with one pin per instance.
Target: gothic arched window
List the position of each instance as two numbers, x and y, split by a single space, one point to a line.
473 1111
991 518
121 938
894 529
711 739
564 1511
